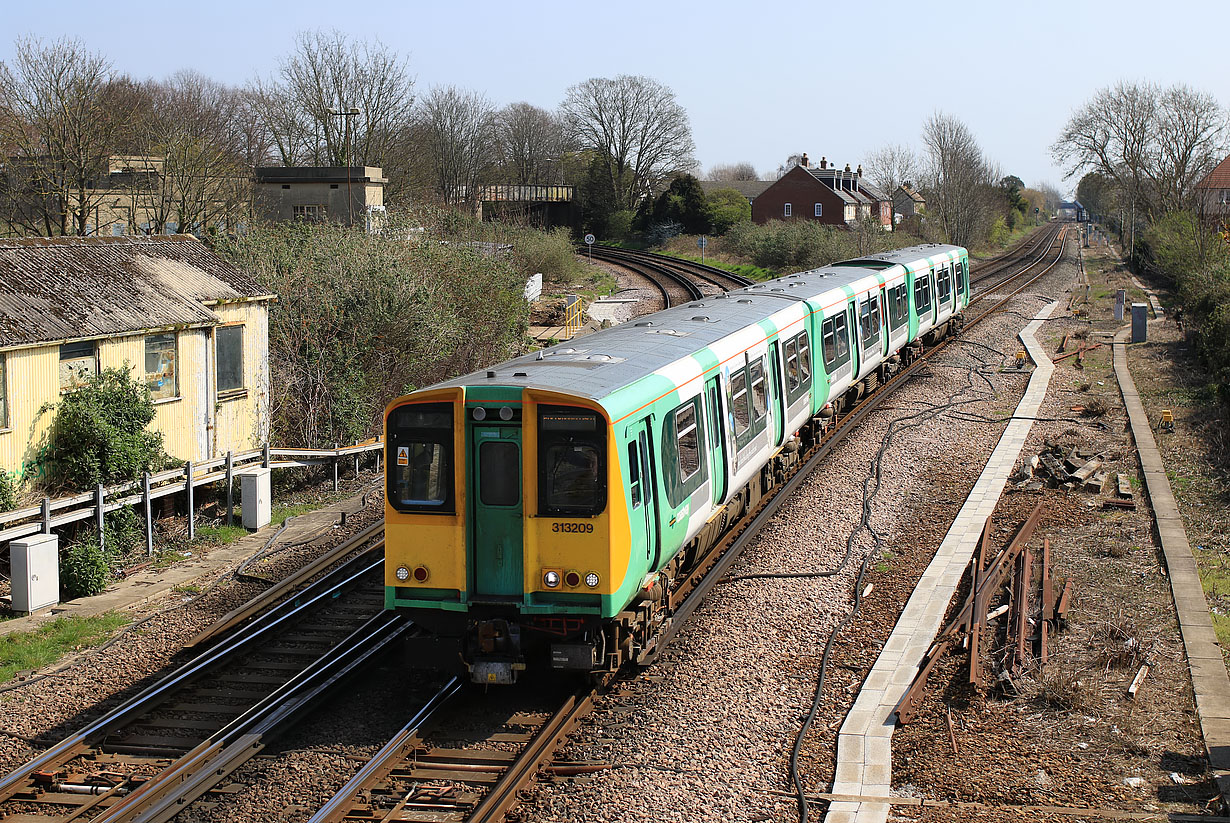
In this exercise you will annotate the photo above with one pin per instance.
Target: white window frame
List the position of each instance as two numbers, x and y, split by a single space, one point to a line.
819 210
786 210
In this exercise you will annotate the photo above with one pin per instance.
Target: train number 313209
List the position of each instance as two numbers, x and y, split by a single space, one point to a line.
573 528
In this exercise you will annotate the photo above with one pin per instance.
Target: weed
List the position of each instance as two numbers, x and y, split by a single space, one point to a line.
22 651
1063 688
187 588
221 534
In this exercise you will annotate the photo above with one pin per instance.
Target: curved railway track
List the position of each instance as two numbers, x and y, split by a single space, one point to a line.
176 739
412 779
718 278
667 280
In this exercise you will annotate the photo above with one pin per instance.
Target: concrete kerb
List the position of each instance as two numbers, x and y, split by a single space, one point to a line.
864 768
144 587
1210 681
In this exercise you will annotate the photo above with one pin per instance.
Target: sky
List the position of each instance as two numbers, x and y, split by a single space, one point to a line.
760 80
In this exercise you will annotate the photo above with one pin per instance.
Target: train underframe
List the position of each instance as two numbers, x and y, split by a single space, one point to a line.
494 642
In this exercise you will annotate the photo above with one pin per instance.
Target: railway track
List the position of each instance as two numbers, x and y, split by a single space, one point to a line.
178 738
419 777
669 281
990 274
718 278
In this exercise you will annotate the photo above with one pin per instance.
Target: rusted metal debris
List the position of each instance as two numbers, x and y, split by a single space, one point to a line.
969 627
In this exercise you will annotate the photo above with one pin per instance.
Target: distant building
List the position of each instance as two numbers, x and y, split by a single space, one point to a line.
907 202
822 194
194 328
336 194
1213 192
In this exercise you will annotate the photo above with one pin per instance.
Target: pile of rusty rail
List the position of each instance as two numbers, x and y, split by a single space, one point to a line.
1079 352
972 627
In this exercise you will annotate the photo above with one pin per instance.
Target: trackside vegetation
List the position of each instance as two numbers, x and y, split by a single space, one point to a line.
24 651
363 318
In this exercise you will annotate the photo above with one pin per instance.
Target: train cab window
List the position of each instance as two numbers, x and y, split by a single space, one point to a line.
835 343
499 473
682 446
869 323
420 458
943 285
898 306
571 464
922 294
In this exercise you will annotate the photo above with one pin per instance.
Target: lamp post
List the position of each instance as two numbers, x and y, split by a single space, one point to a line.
346 114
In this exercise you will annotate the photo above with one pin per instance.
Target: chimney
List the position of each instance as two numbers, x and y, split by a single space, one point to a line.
803 160
860 170
847 168
824 164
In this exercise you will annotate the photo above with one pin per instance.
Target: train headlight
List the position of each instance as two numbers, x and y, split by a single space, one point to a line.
420 574
506 413
551 579
480 413
592 580
402 573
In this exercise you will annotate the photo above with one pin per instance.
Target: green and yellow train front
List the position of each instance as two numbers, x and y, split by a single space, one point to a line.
506 527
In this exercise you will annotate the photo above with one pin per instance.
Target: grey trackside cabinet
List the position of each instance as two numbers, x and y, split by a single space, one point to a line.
36 572
257 500
1140 322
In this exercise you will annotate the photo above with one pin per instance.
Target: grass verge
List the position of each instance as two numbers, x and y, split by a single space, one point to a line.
24 651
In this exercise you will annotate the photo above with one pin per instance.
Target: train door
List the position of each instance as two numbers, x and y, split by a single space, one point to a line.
717 439
641 487
776 406
495 455
852 324
884 349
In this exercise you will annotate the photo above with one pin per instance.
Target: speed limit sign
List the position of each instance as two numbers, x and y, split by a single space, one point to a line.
589 239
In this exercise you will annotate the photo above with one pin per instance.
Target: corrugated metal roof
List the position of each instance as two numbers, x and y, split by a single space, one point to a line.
81 287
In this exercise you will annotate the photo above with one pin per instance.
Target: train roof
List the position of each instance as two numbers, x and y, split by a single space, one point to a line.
598 364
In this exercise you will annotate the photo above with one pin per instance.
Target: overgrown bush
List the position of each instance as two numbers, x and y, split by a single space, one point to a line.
85 568
361 319
99 432
8 492
790 245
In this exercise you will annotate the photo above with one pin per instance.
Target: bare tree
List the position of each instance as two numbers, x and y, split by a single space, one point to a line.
197 173
959 180
891 165
531 142
1053 197
302 108
62 114
639 131
1190 141
457 129
732 172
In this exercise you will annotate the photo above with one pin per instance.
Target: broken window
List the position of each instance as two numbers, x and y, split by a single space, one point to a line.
161 366
78 363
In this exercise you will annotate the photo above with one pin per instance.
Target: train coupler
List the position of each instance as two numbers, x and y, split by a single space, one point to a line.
495 653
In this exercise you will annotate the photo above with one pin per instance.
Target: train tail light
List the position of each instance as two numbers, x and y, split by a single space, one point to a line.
572 580
421 574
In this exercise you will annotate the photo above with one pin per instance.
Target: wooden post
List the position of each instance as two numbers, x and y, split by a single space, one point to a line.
336 458
100 496
149 515
265 456
230 488
190 492
46 515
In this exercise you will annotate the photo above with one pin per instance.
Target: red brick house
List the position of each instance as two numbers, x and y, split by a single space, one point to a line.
800 194
1213 192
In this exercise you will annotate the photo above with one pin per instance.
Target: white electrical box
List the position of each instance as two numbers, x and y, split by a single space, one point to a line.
36 572
256 498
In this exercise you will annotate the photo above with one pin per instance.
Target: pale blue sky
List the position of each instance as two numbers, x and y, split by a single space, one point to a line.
760 80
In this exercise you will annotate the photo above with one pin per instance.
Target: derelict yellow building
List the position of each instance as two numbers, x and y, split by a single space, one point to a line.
194 328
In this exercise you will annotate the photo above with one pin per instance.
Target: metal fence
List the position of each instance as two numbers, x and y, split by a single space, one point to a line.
61 511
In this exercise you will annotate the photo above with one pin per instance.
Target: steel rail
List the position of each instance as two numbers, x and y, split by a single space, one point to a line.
167 794
650 270
686 267
156 693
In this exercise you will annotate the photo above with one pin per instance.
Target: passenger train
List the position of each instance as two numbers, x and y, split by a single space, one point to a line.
539 513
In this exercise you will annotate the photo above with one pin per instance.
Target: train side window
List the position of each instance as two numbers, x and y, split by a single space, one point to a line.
794 378
682 443
420 458
634 475
869 323
943 285
922 294
759 389
804 360
898 307
740 403
571 462
835 343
